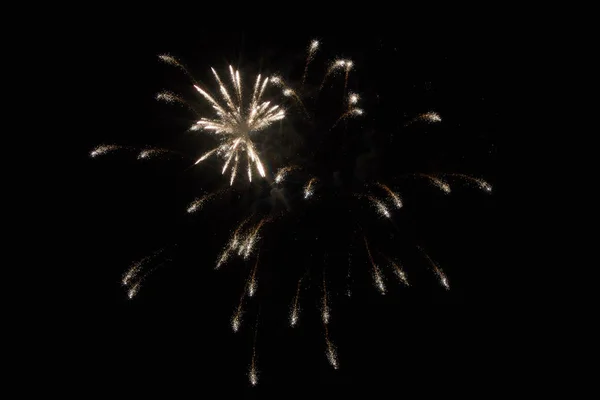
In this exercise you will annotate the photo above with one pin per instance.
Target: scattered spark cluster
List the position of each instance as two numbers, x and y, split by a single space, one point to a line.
240 113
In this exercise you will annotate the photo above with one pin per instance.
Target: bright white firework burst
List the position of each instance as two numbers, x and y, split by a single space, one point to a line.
240 114
236 122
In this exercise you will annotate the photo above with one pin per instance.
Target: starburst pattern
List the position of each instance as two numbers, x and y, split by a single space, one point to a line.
238 115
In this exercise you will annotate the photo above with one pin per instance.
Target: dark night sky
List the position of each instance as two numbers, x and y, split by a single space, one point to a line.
175 334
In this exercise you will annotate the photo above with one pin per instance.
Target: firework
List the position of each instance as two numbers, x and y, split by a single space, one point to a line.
325 312
349 64
295 312
353 112
133 290
169 59
309 188
236 241
398 270
335 66
235 122
288 92
312 49
252 282
104 149
240 113
253 372
438 271
330 351
352 99
379 206
134 270
282 173
236 320
151 153
395 197
197 204
483 185
428 117
377 276
439 183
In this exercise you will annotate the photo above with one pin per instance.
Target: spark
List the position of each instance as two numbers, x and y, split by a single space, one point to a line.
282 173
332 355
330 351
252 238
253 376
134 270
288 92
252 282
438 271
253 373
312 49
199 203
377 276
149 153
325 312
295 313
308 188
439 183
483 185
236 320
430 117
235 241
379 206
352 99
103 149
335 66
349 65
133 290
353 112
398 270
396 199
170 97
169 59
236 123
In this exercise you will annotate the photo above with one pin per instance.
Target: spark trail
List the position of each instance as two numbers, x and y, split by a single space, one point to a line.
438 271
282 173
197 204
331 351
252 282
295 312
169 59
377 277
312 49
439 183
395 197
483 185
335 66
104 149
398 270
308 188
253 373
325 312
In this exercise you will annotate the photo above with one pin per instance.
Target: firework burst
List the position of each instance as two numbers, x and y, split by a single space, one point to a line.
242 112
235 122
